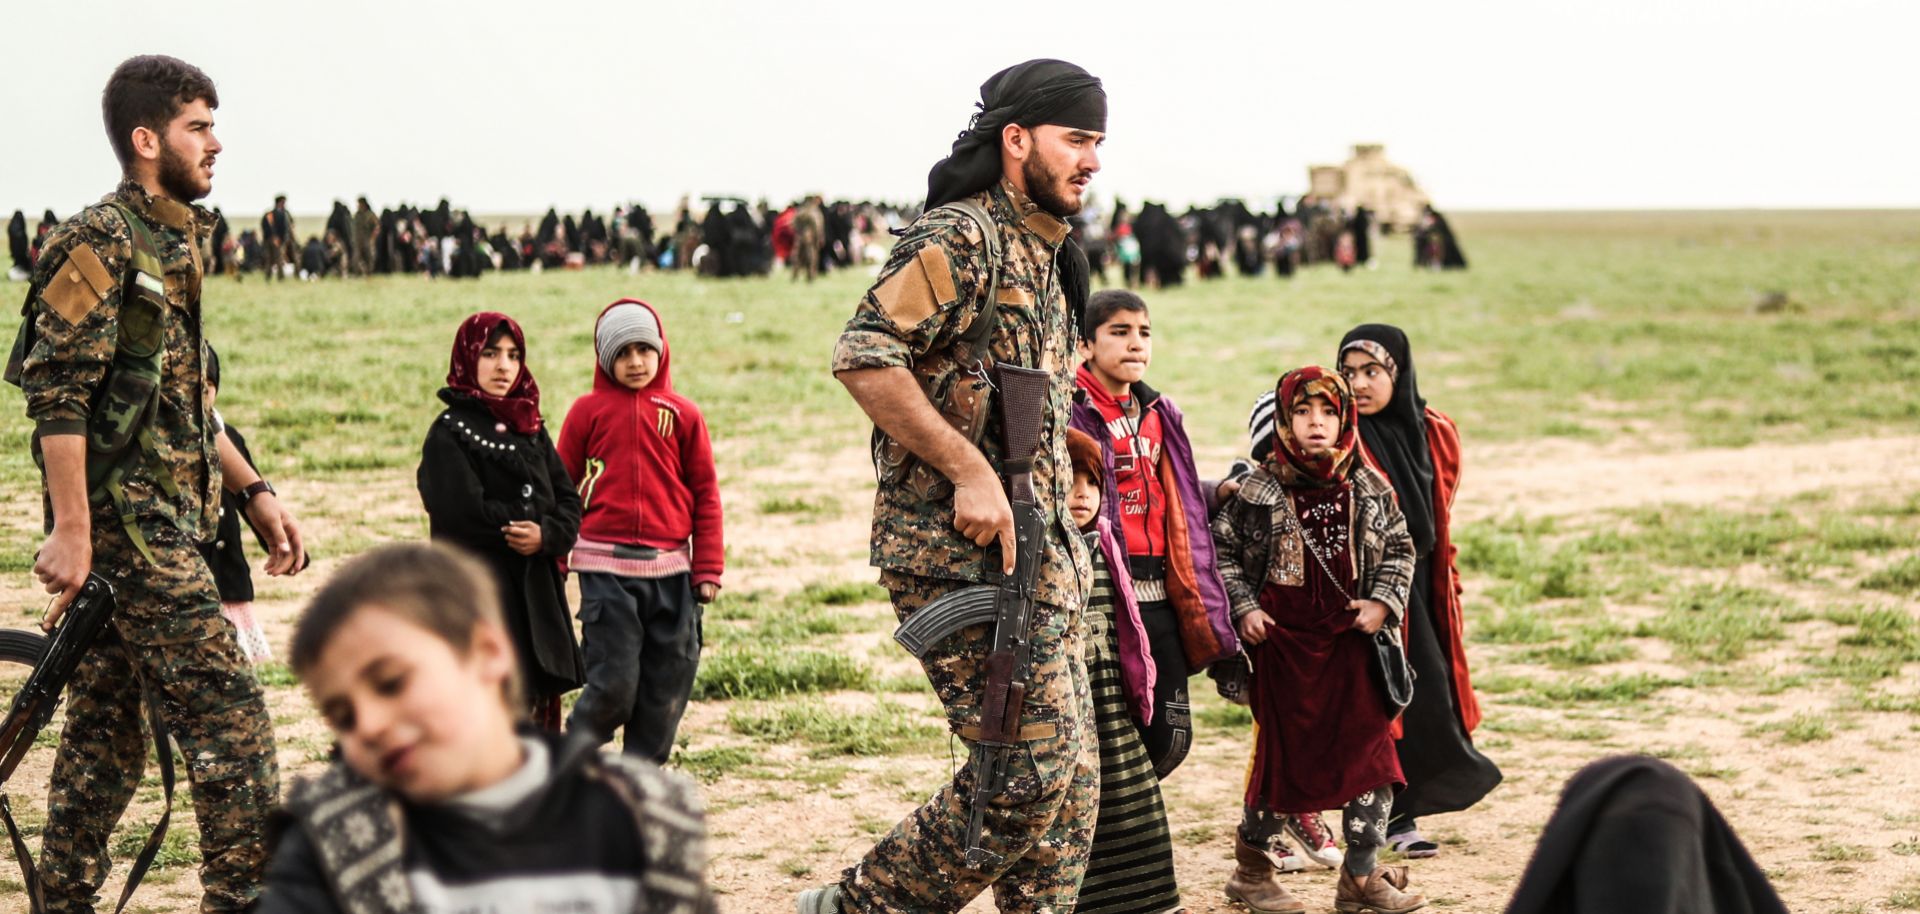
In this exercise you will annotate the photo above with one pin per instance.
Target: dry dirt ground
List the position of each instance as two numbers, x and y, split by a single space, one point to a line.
1834 822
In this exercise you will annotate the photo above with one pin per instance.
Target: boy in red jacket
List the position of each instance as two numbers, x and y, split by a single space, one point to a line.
650 547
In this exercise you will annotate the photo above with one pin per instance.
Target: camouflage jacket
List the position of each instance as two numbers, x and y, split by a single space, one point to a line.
1257 545
75 303
925 298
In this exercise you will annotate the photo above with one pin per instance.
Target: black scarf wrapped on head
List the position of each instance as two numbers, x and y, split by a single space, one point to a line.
1037 92
1397 435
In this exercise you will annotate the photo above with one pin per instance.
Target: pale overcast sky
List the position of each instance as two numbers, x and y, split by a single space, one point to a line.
509 107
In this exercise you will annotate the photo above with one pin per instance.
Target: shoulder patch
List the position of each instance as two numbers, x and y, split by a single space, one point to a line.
80 285
918 288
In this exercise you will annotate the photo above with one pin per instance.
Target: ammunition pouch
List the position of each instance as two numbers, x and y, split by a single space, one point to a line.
964 400
119 426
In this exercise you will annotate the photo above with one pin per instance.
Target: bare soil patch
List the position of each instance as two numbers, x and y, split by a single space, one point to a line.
1828 819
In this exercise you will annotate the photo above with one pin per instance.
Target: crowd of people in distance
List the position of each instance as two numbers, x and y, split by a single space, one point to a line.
729 236
1153 247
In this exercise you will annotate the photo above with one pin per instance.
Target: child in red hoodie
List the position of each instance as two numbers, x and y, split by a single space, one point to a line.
650 546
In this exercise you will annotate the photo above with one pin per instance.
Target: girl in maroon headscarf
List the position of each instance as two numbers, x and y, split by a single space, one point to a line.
1316 558
494 485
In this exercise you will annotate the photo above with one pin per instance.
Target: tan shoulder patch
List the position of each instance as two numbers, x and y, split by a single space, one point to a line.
79 286
918 289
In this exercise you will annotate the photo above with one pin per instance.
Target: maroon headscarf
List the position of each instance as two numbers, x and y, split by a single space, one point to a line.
1289 461
520 408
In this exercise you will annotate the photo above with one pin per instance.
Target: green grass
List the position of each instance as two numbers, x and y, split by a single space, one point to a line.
1717 623
763 671
710 765
1591 644
886 729
1902 577
1803 727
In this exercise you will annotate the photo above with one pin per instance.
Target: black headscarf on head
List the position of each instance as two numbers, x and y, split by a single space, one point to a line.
1397 435
1042 91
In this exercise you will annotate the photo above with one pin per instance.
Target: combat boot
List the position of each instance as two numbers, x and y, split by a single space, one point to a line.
1380 892
1256 882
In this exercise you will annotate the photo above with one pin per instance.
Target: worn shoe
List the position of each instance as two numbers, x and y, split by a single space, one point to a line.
1255 881
825 900
1412 846
1315 838
1381 892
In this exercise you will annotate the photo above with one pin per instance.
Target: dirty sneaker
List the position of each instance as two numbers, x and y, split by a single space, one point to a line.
1314 837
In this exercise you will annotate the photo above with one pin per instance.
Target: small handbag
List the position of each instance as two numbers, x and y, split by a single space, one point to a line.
1391 672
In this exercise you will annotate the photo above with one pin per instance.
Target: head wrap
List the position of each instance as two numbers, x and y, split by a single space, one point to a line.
1396 436
520 408
1084 452
1037 92
1289 462
621 326
1042 91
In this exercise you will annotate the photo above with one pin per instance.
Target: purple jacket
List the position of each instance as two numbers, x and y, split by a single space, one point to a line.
1194 587
1137 672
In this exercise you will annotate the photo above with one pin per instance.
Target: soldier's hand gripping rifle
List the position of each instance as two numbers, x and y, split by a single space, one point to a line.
1008 605
33 705
85 618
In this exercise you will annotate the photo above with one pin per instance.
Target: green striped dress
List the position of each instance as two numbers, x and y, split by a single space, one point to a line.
1130 869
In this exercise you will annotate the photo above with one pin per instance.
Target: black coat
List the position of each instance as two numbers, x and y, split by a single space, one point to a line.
474 477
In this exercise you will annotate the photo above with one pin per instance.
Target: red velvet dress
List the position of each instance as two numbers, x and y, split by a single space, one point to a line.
1322 734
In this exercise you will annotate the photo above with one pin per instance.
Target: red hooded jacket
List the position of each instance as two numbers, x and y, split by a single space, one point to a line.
644 466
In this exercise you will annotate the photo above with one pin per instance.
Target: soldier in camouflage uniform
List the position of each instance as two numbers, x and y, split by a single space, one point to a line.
941 505
168 634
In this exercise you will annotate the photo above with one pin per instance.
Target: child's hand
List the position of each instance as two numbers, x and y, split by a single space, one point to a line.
523 536
1254 625
706 591
1373 614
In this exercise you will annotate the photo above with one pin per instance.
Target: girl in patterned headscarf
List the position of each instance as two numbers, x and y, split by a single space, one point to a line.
1316 558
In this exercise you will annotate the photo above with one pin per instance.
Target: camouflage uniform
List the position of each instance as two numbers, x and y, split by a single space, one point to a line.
168 629
924 299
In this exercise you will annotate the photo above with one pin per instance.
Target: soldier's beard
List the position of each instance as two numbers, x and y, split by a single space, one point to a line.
1048 188
180 178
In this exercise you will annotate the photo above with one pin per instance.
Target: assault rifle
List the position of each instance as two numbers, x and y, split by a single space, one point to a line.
84 621
1008 604
33 705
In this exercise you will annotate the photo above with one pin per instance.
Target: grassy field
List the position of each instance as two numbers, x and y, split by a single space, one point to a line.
1690 525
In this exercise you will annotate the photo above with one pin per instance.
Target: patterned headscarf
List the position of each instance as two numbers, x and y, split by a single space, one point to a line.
1288 462
520 408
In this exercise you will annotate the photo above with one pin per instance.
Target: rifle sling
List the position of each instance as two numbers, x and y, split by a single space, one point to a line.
1028 732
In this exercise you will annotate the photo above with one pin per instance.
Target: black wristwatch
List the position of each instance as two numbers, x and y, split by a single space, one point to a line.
259 486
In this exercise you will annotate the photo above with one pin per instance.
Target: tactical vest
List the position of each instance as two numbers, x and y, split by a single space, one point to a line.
963 397
120 417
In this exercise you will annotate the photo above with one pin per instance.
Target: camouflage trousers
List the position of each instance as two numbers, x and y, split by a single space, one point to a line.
1041 825
169 632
